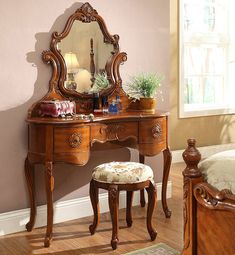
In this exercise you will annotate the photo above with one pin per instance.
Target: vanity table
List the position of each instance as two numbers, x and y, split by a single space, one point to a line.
69 139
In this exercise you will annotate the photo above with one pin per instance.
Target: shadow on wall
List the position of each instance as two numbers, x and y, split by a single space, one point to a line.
14 139
207 130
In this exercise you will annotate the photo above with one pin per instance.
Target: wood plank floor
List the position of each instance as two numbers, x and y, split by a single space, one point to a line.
73 238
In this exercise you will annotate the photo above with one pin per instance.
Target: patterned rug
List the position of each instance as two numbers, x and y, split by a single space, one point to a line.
157 249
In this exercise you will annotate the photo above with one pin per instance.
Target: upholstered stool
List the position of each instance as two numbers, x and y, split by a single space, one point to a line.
117 176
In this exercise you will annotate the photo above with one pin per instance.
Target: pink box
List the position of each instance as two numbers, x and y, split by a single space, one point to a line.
57 108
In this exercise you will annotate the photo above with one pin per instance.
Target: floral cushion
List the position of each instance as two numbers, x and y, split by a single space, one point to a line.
122 173
219 170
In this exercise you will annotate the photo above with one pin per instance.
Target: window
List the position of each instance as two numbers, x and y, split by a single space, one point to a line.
207 57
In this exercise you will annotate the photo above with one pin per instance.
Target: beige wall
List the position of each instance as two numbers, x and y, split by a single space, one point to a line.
26 27
207 130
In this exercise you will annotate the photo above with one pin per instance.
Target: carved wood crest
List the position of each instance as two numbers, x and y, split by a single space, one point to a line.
112 131
211 198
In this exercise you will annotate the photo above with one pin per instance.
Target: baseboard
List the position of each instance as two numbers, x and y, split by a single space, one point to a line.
12 222
205 151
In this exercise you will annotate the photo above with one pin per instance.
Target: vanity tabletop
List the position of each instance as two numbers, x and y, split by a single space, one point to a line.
135 115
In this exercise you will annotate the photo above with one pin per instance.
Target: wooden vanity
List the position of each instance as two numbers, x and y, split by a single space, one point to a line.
69 139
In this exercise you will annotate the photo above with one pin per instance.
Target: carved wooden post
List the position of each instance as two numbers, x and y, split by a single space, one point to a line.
192 175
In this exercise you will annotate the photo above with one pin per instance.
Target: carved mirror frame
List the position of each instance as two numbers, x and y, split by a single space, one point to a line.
85 14
57 90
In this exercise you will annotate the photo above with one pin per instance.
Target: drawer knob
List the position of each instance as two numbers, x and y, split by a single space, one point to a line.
75 140
157 131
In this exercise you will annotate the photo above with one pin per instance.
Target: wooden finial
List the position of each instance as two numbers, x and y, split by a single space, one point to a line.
191 157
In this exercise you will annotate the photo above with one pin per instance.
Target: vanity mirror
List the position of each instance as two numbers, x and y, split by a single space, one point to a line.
85 59
88 57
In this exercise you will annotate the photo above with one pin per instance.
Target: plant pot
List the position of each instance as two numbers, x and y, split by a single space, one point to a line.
148 104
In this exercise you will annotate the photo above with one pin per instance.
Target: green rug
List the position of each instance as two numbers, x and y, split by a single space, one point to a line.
157 249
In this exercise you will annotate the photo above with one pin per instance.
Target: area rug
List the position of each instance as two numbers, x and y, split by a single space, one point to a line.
157 249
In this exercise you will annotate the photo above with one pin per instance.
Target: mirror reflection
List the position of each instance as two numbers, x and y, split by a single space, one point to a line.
86 53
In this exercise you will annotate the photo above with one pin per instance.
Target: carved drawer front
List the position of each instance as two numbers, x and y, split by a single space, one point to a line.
121 131
71 139
114 131
153 131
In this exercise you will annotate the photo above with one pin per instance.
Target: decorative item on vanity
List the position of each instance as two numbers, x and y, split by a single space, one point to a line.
72 68
143 87
101 82
84 79
56 108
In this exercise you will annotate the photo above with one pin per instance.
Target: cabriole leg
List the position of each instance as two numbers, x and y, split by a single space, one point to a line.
129 198
167 164
113 206
29 174
142 198
94 196
49 183
152 196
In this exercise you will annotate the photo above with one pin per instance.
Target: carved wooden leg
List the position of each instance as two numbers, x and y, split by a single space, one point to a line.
94 196
192 176
113 206
142 198
29 174
49 182
167 164
152 195
129 198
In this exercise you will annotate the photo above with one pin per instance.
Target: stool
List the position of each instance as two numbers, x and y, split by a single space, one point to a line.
117 176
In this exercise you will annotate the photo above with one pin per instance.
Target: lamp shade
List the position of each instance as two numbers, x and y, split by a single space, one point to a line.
71 62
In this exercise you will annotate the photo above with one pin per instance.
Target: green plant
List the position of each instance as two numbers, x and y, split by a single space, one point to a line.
101 82
144 85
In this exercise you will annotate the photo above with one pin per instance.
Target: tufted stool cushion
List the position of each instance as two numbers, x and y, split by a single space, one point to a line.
122 173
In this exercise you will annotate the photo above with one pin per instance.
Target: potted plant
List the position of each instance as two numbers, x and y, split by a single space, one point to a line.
143 87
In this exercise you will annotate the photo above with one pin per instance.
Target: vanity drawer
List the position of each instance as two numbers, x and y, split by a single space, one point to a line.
152 131
68 140
114 131
121 131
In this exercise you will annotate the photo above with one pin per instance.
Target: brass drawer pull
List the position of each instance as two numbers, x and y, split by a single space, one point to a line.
157 131
75 140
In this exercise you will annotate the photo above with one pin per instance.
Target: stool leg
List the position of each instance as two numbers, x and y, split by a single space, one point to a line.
152 195
113 206
129 198
94 196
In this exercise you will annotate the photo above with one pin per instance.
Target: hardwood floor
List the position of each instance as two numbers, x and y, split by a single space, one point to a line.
73 237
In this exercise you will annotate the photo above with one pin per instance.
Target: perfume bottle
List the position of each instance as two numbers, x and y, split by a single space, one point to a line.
105 104
113 108
96 101
119 103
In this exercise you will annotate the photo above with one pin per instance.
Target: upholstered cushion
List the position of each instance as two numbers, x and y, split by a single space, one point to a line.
122 173
219 170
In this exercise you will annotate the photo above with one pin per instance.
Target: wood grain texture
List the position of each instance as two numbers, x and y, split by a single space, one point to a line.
167 164
29 174
209 214
142 198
